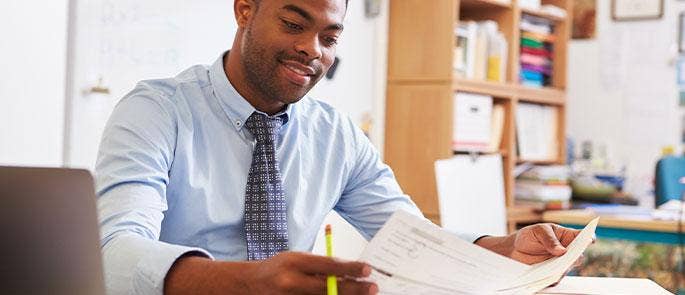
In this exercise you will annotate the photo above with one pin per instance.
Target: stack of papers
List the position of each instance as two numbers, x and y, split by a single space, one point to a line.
536 132
410 255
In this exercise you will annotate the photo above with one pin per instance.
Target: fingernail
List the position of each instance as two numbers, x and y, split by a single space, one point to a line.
559 248
366 271
373 289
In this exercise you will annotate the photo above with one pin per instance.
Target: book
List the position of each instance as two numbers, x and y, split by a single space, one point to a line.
465 47
480 51
497 57
544 205
480 65
496 128
540 191
537 43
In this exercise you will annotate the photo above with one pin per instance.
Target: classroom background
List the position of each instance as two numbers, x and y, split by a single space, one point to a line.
536 107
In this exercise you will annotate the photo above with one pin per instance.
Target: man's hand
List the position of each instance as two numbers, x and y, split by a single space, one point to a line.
532 244
539 242
285 273
302 273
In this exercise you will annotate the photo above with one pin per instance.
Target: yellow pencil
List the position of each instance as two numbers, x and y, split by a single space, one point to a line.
331 281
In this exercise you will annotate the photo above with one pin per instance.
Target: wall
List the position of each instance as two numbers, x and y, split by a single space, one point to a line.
359 84
32 89
172 27
622 92
32 118
33 56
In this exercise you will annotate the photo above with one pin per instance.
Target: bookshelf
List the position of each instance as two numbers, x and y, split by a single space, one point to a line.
421 84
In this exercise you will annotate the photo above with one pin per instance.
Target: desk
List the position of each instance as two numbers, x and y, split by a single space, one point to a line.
635 228
604 286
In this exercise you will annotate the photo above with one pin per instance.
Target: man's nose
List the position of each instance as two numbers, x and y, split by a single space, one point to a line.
309 46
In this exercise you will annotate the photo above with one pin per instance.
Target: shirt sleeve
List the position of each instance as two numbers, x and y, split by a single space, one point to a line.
372 193
131 173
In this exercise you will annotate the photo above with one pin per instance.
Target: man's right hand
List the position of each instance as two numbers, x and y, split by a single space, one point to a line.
303 273
285 273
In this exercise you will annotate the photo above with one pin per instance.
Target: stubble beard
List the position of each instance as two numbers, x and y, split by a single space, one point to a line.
261 69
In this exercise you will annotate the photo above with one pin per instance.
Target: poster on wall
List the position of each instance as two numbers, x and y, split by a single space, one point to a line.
626 10
584 15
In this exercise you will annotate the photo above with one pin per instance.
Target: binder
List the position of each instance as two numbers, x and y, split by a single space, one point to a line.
472 122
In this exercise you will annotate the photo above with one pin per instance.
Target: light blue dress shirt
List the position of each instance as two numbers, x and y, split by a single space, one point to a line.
174 161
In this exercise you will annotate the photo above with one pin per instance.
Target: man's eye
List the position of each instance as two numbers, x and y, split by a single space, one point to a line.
292 26
331 41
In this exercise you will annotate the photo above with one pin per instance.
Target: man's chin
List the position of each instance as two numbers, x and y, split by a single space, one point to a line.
290 100
294 96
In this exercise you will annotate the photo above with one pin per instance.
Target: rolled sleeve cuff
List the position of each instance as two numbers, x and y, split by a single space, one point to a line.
153 267
470 237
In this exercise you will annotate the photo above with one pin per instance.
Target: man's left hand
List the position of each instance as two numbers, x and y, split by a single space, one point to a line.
539 242
532 244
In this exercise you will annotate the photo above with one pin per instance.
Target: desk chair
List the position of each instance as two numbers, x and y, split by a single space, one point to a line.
670 179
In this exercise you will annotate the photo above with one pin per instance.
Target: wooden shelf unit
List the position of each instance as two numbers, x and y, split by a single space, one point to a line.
421 87
543 14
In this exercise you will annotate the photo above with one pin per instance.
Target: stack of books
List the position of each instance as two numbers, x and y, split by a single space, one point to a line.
537 43
546 187
480 51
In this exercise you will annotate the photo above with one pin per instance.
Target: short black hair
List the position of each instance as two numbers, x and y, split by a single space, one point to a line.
346 2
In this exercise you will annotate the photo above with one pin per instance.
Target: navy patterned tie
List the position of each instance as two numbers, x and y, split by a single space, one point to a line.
266 227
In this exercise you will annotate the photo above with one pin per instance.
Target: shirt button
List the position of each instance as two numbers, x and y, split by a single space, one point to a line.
237 123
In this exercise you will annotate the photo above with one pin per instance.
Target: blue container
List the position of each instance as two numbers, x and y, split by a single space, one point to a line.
614 180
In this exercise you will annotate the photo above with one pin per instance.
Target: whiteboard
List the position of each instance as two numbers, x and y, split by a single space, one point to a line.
125 41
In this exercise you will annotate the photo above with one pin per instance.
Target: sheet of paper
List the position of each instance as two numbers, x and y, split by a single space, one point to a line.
471 194
553 269
410 255
604 286
422 257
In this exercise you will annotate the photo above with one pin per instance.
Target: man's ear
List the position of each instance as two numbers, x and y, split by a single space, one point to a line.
244 11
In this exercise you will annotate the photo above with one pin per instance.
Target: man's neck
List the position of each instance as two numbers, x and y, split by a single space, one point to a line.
235 73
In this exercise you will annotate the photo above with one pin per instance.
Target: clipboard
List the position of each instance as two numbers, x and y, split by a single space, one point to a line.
471 194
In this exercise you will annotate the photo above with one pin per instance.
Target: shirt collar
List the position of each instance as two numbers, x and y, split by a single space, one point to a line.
236 107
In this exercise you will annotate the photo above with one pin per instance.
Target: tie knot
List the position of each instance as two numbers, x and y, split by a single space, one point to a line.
263 127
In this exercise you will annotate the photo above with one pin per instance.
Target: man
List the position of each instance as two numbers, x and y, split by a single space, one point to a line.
223 164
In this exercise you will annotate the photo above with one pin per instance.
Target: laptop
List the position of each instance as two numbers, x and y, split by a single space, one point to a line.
49 241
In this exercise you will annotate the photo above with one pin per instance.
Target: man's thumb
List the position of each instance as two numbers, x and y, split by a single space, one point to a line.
551 242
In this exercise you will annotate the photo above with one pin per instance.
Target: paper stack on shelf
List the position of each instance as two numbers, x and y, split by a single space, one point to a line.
546 187
530 4
537 42
480 51
537 132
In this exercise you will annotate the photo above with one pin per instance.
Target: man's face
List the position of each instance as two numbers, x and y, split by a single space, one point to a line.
289 45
